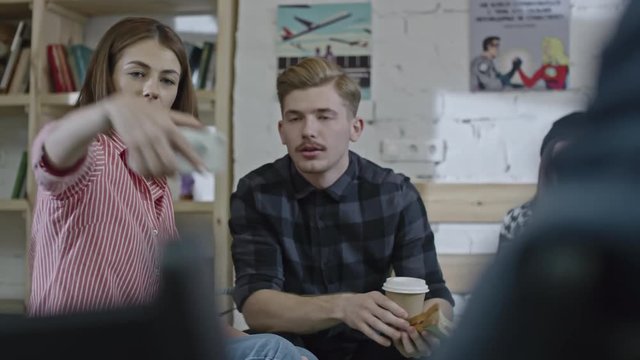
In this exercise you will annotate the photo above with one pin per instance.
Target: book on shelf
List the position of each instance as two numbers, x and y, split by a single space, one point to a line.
11 54
64 67
200 63
20 79
19 185
207 53
59 69
55 74
73 67
81 55
67 66
194 53
7 30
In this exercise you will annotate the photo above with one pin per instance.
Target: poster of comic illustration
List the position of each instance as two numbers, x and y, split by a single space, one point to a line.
519 45
338 32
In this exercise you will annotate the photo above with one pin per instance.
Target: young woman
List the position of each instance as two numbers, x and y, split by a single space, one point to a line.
554 69
103 208
563 133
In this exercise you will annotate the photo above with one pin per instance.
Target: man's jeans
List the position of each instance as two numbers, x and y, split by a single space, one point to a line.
265 347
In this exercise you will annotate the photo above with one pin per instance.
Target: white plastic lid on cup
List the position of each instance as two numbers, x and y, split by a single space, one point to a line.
405 285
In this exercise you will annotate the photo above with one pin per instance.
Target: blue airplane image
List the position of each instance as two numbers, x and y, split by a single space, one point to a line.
311 26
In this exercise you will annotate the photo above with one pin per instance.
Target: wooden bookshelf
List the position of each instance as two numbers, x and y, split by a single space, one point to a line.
65 22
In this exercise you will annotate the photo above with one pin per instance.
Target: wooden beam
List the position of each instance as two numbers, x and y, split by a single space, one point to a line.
227 11
476 203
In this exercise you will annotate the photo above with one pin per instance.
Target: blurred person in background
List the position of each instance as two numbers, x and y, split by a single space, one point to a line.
563 132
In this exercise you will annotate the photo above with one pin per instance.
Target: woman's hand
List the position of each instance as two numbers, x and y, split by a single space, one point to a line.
151 134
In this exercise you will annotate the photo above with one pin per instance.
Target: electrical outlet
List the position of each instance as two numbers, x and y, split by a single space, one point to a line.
413 150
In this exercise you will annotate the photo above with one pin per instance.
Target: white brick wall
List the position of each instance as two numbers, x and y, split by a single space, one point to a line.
420 56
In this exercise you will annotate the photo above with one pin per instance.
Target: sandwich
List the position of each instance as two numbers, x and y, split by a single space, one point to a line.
433 321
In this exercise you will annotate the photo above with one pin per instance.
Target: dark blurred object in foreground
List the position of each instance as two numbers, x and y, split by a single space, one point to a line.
181 324
569 289
611 152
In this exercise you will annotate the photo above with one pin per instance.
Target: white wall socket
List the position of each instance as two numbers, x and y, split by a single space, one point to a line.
413 150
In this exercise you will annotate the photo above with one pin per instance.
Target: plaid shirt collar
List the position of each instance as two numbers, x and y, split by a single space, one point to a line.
302 188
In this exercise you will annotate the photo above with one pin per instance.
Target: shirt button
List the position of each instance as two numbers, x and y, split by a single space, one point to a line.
155 232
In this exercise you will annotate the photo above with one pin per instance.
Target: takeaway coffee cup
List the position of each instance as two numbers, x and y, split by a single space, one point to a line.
408 292
211 147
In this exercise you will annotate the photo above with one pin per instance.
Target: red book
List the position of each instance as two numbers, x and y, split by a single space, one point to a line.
54 69
64 68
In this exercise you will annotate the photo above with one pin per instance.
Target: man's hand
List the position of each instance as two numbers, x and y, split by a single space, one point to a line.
516 63
233 332
413 344
374 315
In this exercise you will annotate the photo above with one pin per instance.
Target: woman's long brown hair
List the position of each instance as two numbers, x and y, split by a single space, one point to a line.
98 83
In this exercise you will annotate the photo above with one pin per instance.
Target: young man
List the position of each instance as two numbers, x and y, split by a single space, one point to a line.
316 232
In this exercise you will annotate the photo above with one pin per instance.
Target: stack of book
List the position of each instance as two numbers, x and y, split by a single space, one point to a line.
67 66
200 61
15 56
19 186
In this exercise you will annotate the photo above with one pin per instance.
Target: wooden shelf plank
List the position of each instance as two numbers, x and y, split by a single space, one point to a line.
113 7
193 207
14 205
14 100
472 202
12 306
60 99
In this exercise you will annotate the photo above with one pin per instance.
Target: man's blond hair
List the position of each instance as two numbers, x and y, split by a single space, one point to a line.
315 71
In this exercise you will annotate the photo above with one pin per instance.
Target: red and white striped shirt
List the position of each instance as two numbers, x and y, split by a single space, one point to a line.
97 231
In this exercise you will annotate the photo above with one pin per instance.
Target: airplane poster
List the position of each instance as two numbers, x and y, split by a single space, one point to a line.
519 45
339 32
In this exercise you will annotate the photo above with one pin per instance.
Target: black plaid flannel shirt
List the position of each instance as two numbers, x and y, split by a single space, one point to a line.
292 237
